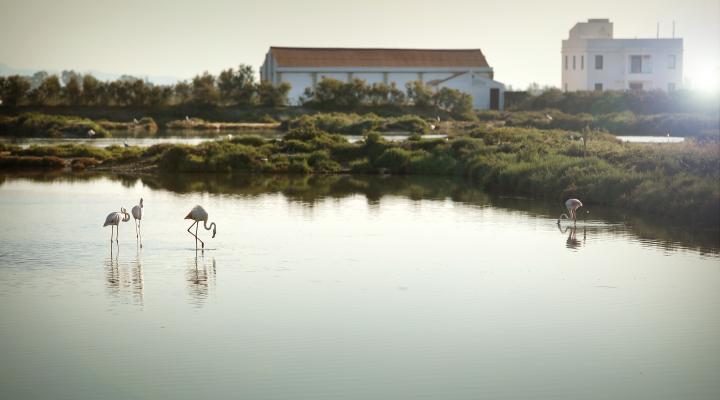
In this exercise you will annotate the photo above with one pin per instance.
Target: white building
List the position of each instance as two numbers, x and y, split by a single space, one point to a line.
593 60
465 70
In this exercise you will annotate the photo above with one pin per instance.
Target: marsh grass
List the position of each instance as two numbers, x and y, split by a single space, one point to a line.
55 126
673 180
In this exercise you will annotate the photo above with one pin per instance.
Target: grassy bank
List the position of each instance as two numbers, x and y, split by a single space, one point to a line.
53 126
622 123
676 181
145 124
200 124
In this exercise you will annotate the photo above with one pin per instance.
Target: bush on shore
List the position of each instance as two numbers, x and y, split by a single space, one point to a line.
56 126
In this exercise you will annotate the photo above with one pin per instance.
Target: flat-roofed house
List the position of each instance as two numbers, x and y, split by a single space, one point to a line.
592 59
464 70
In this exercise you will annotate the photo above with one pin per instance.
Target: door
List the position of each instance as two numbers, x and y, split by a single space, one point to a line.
495 99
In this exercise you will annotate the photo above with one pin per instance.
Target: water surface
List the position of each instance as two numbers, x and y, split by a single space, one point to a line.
346 287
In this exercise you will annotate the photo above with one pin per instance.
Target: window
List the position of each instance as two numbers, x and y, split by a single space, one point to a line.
671 61
566 63
636 86
599 61
582 62
573 63
640 65
598 87
671 87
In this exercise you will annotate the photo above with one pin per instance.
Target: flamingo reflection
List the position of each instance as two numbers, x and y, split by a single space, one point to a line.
200 277
572 241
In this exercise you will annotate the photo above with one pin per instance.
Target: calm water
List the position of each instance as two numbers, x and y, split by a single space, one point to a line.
190 137
352 288
651 139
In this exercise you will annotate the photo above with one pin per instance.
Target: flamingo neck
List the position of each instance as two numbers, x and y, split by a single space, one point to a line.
205 225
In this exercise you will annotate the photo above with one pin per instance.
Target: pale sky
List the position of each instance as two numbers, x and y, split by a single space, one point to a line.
521 39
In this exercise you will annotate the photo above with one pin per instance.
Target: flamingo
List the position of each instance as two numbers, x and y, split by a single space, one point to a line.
199 214
137 212
113 219
572 205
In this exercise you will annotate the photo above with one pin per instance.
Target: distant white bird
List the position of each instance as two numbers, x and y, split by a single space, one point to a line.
438 119
91 133
187 118
125 143
199 214
432 127
135 121
572 205
548 116
114 219
137 212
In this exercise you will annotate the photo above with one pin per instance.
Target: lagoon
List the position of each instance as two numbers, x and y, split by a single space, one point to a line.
325 287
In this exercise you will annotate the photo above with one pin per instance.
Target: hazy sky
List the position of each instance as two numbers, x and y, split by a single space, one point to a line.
521 39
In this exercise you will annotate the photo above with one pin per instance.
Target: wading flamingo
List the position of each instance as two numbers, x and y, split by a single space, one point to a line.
199 214
572 205
137 212
114 219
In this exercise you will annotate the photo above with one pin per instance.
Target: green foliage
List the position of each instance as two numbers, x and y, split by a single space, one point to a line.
41 125
237 87
419 94
636 101
48 92
354 124
668 179
270 95
621 123
13 89
204 90
455 102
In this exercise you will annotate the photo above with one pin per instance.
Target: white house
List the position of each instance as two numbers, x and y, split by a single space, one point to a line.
465 70
593 60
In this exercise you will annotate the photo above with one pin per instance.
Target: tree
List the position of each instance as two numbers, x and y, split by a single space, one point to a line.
90 90
237 86
66 75
48 93
72 92
182 92
419 94
270 95
204 91
37 79
332 93
454 101
382 94
13 90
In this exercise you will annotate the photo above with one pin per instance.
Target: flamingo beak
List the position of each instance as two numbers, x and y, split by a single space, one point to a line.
214 232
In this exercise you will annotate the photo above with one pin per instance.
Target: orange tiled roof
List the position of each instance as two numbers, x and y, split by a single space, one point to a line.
393 58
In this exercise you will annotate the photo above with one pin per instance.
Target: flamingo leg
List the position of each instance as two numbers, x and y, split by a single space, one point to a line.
194 234
136 229
139 233
117 235
196 230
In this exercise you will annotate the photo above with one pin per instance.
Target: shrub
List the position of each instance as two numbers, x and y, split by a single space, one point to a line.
394 160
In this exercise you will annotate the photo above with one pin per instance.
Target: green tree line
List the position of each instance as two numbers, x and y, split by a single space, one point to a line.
332 94
230 87
605 102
